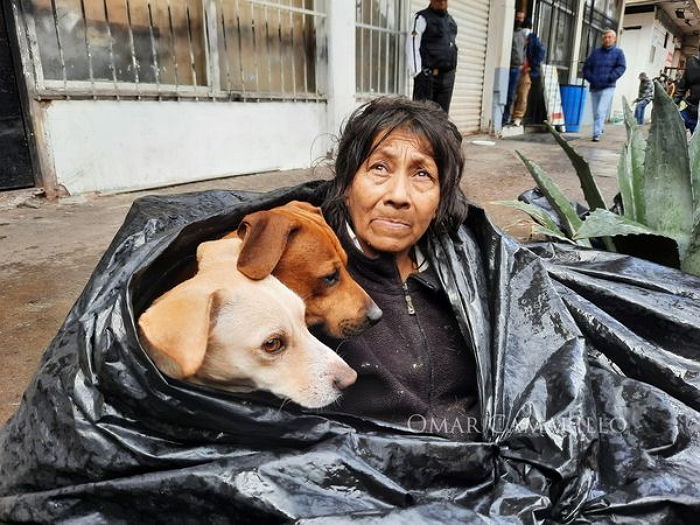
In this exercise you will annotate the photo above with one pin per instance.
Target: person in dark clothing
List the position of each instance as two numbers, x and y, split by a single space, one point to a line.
689 90
517 60
602 69
644 97
431 54
398 169
530 74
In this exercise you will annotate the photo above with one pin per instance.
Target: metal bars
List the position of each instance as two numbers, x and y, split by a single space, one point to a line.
227 49
377 48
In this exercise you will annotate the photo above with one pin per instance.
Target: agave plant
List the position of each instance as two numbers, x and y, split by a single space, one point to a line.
659 180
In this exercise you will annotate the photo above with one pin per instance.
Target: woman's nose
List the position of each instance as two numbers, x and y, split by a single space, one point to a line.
398 190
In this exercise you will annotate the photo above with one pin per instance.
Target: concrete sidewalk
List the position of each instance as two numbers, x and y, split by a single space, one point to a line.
49 249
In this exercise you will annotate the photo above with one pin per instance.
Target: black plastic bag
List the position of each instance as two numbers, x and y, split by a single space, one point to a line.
587 368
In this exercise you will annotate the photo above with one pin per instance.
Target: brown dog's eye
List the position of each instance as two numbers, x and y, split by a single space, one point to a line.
331 278
273 345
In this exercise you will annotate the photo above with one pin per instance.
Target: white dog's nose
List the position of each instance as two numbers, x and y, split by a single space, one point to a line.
344 378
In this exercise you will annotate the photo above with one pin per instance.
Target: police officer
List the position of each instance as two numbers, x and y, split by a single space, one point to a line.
431 54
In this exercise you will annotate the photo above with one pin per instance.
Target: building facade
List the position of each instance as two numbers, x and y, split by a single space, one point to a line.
130 94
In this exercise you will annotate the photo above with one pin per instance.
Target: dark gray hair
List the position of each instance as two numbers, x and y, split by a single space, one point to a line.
377 120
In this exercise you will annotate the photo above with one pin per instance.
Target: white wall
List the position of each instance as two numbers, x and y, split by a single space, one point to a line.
637 46
498 50
113 145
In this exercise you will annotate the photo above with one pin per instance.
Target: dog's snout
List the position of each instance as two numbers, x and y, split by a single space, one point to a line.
344 378
374 314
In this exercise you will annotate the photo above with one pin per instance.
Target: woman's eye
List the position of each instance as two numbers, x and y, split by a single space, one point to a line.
273 345
381 168
423 174
331 278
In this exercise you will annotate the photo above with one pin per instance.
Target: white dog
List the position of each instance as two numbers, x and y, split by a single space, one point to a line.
227 331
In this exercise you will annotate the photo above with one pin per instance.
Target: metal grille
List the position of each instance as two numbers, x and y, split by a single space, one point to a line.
378 47
555 27
235 49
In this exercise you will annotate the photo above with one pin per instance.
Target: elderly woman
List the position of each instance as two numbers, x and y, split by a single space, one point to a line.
398 169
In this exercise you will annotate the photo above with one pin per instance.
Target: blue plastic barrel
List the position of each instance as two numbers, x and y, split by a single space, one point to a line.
573 100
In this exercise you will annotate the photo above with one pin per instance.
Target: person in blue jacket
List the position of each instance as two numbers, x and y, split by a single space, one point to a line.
602 68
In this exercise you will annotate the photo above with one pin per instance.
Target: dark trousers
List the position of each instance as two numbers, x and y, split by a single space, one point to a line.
513 79
690 118
437 88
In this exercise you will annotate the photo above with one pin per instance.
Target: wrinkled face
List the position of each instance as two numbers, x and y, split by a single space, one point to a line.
608 39
438 5
259 340
394 195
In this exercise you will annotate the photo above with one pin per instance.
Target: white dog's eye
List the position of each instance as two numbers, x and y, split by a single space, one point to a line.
273 345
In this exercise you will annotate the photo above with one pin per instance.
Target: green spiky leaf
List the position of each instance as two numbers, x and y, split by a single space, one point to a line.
624 180
634 204
604 223
694 156
667 188
566 212
591 192
538 214
691 261
555 234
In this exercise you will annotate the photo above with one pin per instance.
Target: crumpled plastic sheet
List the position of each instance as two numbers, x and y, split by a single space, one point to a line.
587 369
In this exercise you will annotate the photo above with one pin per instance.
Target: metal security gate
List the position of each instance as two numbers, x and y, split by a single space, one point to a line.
472 17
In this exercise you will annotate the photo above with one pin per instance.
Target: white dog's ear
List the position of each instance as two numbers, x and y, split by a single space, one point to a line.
176 329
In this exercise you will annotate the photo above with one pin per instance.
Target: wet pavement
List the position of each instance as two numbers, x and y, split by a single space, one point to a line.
49 249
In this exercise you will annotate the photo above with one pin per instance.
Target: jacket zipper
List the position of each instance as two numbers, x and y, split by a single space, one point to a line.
409 301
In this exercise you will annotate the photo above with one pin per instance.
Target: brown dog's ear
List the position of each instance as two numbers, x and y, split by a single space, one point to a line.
176 329
265 235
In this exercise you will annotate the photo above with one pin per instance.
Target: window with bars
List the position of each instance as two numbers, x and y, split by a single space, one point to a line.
555 27
247 49
268 47
378 47
598 15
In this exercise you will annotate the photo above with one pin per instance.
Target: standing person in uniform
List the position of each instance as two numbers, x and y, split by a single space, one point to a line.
431 54
689 90
602 69
644 96
517 59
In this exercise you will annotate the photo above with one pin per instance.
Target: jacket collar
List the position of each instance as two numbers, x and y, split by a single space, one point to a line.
382 269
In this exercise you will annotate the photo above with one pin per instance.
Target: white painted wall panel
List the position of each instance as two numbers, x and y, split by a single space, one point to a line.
115 145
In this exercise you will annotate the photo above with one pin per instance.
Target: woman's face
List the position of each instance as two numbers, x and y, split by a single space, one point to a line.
394 195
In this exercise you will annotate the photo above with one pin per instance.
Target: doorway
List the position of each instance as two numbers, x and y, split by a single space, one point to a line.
16 169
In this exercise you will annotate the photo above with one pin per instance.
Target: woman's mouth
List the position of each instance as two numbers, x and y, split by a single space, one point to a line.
391 224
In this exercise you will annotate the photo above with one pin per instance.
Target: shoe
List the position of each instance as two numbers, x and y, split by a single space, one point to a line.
596 138
516 122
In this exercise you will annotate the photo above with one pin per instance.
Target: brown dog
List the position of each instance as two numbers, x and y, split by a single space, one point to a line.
295 244
227 331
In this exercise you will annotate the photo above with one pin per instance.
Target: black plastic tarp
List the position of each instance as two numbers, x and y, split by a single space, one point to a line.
587 368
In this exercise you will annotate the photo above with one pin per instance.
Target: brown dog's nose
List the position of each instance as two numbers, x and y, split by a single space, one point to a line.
344 378
374 314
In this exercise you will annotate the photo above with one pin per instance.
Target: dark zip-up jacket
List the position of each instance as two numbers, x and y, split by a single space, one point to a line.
414 367
689 83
